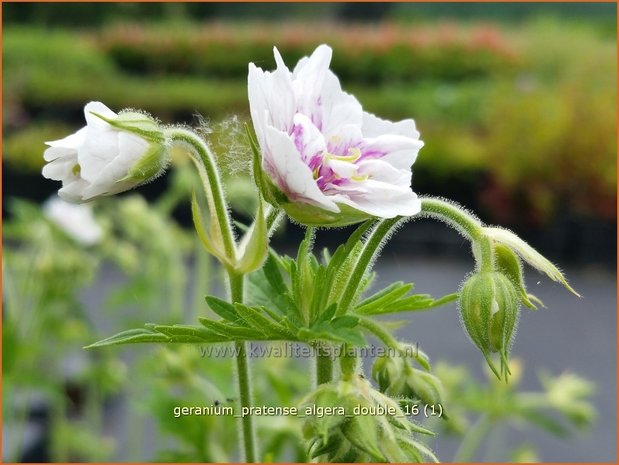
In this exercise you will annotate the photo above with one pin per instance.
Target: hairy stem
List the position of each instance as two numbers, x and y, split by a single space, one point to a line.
452 215
381 333
209 174
244 380
324 366
368 254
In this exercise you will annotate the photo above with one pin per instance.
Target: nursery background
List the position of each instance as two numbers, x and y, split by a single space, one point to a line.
516 104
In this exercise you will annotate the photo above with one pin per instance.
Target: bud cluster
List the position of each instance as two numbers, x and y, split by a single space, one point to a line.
398 379
369 427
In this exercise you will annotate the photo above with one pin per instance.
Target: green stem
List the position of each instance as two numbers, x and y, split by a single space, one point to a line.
201 277
348 363
370 250
472 440
452 215
207 168
484 257
381 333
243 376
324 366
467 224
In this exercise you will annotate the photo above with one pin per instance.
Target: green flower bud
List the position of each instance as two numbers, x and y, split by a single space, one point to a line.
489 309
387 371
426 387
508 263
366 427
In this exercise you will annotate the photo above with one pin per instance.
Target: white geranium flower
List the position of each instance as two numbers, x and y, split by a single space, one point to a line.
111 154
334 163
77 221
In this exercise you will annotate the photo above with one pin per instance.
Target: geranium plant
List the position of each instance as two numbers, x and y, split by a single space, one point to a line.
322 161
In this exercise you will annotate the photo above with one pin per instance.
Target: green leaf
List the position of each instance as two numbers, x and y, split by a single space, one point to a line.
225 310
327 314
160 333
266 288
230 332
254 246
131 336
416 302
256 319
210 245
326 331
383 298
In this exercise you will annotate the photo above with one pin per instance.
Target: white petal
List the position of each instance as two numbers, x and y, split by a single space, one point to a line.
272 92
98 150
100 109
343 169
348 136
54 153
130 149
318 62
60 169
384 200
380 170
374 126
72 191
398 150
338 107
291 174
308 140
71 142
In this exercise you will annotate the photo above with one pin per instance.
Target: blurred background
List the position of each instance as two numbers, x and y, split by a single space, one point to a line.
516 104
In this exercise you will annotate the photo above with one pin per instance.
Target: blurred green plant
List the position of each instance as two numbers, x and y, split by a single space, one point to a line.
534 126
562 407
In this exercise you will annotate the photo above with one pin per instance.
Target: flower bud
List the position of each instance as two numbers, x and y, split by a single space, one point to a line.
489 309
528 254
508 263
426 387
367 427
387 372
397 379
111 154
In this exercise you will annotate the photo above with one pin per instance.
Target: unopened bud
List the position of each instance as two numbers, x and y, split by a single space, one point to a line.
489 308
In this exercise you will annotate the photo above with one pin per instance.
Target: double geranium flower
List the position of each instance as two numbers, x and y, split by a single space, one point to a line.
325 159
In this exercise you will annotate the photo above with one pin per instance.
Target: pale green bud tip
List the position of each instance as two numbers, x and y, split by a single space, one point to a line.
528 254
489 308
136 123
155 158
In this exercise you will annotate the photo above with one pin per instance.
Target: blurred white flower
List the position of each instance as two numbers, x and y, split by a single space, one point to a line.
320 149
77 221
111 154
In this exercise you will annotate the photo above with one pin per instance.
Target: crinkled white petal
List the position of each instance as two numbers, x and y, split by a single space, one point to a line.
97 108
308 79
60 147
374 126
307 137
291 174
380 170
347 137
270 94
382 200
398 150
72 190
338 107
60 168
